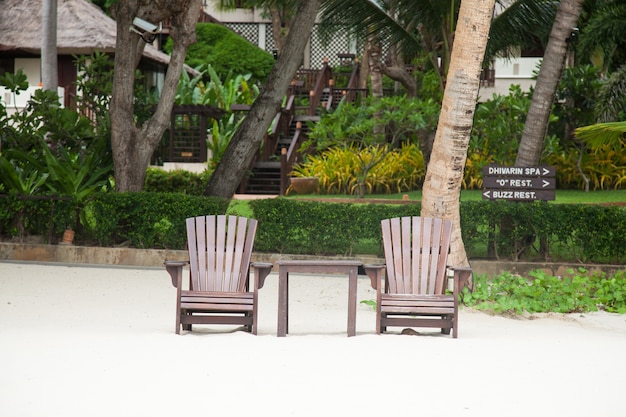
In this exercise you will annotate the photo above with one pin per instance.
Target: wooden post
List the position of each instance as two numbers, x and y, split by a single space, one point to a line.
283 171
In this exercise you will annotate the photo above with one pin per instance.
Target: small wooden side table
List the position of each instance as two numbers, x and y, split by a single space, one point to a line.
344 267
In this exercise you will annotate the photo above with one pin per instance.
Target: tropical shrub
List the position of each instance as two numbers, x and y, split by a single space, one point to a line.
208 89
369 132
577 292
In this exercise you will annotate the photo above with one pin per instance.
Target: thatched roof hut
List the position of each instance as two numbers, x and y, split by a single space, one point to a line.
82 28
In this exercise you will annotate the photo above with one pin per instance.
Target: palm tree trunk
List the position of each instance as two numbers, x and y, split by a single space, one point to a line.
533 137
442 185
49 70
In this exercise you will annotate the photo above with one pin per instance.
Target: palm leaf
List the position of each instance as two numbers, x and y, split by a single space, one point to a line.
611 134
523 24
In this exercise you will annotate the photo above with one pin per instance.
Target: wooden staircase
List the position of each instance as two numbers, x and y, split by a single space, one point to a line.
309 95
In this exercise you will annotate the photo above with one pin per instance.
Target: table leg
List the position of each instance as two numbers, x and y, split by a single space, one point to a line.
352 301
282 302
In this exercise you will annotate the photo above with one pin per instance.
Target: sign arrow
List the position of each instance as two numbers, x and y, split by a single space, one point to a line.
487 194
545 183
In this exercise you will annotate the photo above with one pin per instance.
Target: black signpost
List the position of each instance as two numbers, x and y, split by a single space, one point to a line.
519 183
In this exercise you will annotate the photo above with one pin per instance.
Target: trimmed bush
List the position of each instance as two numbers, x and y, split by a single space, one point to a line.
147 220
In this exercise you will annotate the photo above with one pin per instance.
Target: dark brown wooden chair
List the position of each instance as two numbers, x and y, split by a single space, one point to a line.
219 290
414 290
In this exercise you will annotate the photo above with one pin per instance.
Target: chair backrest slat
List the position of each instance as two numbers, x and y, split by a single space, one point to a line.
220 249
210 229
443 257
192 248
416 251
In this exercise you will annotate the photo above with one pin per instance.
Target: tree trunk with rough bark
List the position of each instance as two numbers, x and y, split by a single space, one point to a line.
246 142
133 145
280 27
397 72
533 137
442 185
375 56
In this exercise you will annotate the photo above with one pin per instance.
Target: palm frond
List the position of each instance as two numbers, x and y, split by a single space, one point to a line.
611 102
523 24
370 17
610 134
603 32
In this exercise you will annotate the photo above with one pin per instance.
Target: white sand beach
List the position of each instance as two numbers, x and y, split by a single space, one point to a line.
80 340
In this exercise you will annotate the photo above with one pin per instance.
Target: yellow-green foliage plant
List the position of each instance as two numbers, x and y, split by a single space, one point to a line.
369 132
338 169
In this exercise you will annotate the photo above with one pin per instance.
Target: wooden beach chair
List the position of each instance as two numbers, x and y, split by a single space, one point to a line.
413 293
219 290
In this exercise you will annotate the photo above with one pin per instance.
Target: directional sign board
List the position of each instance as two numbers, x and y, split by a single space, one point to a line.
533 183
519 183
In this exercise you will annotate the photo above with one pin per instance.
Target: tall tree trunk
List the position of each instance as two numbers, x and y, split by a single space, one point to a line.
133 145
247 140
533 137
375 56
49 68
280 28
442 185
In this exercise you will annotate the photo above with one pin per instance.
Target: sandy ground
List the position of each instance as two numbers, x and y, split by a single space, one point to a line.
94 341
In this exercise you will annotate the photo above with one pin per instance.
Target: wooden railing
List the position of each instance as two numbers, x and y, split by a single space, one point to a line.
289 157
323 80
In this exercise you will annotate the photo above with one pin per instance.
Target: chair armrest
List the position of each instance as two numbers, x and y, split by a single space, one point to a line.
175 269
461 277
375 272
261 271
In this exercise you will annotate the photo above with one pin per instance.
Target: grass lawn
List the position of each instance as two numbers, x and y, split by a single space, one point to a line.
562 196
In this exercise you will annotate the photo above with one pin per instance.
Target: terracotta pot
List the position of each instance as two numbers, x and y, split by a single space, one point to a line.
68 237
304 185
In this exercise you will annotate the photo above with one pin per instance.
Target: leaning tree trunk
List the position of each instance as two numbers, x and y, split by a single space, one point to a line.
442 185
133 145
533 137
246 142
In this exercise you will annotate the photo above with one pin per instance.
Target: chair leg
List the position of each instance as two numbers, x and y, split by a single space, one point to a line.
445 330
455 326
250 328
186 327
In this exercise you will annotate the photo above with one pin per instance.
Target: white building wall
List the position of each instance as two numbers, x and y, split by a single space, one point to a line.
237 15
509 72
32 69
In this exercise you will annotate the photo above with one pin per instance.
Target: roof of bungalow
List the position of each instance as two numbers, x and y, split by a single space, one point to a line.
82 28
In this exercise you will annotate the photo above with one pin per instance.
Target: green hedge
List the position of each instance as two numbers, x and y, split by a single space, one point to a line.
574 232
491 229
46 216
308 227
147 220
177 181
